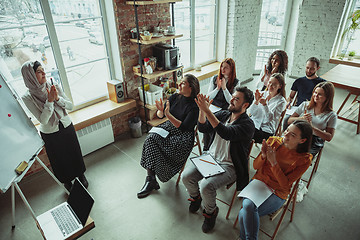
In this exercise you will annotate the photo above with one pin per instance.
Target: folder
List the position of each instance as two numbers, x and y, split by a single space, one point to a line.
207 165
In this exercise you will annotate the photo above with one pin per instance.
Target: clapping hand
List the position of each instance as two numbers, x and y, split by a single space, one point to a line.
167 108
203 102
264 147
271 155
52 94
160 105
258 96
307 116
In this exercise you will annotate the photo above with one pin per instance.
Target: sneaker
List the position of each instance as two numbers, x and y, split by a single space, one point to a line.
209 221
302 190
194 203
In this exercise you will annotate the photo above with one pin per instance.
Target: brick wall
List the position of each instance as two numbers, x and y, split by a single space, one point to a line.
149 16
317 25
242 35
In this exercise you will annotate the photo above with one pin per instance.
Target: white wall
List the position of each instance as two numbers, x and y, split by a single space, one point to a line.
242 34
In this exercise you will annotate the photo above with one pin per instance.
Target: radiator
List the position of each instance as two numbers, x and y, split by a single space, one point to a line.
95 136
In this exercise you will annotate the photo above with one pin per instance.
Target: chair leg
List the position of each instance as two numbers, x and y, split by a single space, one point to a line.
314 168
231 204
178 179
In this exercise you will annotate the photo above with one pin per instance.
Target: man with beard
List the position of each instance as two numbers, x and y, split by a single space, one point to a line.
304 86
229 147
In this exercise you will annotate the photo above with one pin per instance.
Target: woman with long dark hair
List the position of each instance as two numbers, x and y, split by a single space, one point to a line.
165 156
281 162
48 104
277 63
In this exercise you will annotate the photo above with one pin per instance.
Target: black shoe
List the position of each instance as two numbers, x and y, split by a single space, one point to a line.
150 184
194 203
84 181
209 221
68 185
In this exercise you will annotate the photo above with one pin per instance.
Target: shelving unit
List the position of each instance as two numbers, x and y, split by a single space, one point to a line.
140 42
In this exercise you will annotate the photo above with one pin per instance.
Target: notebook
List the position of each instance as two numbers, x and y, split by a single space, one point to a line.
69 217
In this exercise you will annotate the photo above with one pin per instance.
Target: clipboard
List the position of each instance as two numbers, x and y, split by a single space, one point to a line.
207 165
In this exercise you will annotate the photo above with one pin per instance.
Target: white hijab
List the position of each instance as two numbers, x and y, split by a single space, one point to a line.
39 94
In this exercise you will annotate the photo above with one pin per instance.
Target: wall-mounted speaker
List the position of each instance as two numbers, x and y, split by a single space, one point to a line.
116 91
179 75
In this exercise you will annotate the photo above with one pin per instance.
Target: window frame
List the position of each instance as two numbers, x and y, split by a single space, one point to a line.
282 45
192 6
339 41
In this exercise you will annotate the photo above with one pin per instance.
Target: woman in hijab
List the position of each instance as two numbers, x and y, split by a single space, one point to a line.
48 104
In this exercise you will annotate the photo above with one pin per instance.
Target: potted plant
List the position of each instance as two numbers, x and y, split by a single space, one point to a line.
351 55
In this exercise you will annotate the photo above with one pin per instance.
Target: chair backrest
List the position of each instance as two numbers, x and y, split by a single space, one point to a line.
278 131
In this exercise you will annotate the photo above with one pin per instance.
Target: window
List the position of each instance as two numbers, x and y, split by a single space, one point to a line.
196 20
348 39
66 36
272 31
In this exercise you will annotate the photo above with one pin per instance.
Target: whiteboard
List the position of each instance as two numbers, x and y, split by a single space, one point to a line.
19 139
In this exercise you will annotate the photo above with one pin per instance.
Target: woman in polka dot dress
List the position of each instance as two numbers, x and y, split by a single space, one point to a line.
164 157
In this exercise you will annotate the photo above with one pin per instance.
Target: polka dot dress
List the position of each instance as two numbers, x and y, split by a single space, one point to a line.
166 156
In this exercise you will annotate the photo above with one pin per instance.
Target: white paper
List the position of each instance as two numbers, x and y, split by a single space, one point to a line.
162 132
214 108
207 165
257 191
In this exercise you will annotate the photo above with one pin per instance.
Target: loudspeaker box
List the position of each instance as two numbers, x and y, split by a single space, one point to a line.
116 91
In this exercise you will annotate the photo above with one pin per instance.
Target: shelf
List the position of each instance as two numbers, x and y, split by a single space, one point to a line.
156 40
354 63
151 2
157 74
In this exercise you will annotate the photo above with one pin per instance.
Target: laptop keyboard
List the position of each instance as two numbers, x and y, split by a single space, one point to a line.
64 219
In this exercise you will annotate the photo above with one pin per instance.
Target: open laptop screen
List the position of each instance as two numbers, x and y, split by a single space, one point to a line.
80 201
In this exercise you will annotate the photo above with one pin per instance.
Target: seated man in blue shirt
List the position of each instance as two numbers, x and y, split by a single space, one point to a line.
304 86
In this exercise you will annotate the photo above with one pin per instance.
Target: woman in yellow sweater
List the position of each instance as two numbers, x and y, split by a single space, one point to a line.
281 162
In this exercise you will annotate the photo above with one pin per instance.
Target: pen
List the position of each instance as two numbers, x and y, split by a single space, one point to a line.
206 161
52 83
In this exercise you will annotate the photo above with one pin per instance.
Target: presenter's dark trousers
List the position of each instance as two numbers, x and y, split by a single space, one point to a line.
64 153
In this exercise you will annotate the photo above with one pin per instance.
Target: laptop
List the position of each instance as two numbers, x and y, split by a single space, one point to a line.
69 217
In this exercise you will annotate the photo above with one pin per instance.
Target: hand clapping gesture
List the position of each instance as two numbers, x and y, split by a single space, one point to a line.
160 105
52 94
167 108
275 68
307 116
268 153
203 102
258 96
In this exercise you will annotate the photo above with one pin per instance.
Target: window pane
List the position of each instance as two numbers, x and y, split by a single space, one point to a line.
87 81
204 49
23 37
351 40
272 22
182 21
184 47
204 20
262 56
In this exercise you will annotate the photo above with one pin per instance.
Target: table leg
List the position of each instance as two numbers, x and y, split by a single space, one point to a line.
342 105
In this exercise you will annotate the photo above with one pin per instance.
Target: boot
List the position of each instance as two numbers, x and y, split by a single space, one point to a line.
209 221
150 184
195 203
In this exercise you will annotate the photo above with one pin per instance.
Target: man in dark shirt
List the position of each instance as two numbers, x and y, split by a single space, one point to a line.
233 133
304 86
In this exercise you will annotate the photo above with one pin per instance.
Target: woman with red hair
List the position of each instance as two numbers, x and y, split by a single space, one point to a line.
221 89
